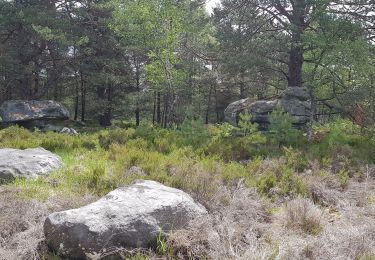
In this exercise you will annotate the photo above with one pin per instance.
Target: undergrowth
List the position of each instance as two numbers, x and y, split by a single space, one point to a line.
194 157
201 160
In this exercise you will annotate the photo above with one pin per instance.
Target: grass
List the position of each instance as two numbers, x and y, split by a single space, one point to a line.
302 214
96 163
238 177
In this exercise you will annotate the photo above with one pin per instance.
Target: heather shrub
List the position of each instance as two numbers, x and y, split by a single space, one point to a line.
302 214
115 136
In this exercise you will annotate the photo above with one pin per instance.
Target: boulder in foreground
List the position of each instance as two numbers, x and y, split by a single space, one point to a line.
128 217
29 163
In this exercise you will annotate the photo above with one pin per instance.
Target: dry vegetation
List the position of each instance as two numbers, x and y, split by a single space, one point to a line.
21 222
287 203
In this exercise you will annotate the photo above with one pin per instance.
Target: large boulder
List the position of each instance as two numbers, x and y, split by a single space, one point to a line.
260 111
128 217
18 111
294 100
29 163
234 109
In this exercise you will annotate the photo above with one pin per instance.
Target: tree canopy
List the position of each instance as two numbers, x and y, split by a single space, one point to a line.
165 61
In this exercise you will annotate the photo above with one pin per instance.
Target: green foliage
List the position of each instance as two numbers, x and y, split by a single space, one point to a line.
295 159
282 181
162 246
20 138
291 184
266 182
194 133
115 136
343 177
336 135
239 142
245 127
282 130
195 157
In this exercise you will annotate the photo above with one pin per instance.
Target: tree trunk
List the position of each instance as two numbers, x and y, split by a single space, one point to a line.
83 98
138 89
137 118
158 108
165 112
295 60
154 110
208 106
106 93
76 103
298 26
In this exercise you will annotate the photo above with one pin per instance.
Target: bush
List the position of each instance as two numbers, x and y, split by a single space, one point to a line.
295 159
20 138
282 130
280 180
235 143
302 214
115 136
193 133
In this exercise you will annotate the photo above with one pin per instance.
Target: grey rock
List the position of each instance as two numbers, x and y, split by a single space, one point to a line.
234 109
29 163
294 100
128 217
23 110
260 111
51 128
70 131
299 93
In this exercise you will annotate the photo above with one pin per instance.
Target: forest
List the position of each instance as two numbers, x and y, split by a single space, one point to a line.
187 129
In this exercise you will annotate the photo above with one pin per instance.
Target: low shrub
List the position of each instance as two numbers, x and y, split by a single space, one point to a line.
282 130
280 180
115 136
303 215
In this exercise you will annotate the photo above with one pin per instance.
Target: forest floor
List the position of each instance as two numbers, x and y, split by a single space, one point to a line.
307 200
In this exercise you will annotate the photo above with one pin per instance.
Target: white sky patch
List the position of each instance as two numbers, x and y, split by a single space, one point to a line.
211 4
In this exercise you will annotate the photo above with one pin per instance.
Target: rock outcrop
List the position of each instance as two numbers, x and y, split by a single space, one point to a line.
234 109
294 100
126 218
29 163
32 113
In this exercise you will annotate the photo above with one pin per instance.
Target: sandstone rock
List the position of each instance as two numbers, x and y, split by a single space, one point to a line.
51 128
299 93
69 131
294 100
126 218
15 111
234 109
260 111
29 163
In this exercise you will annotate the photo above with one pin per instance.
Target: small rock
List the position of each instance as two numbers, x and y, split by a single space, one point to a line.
51 128
127 218
29 163
70 131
